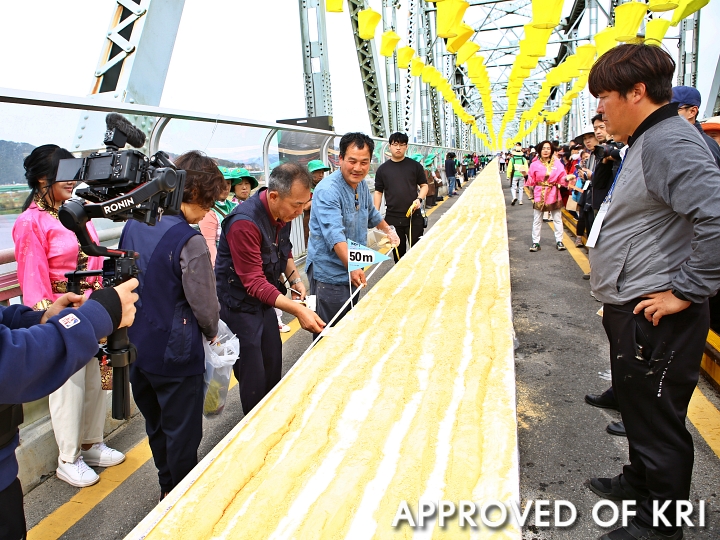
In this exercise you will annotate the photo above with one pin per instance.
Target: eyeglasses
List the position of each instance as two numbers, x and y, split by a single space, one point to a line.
398 144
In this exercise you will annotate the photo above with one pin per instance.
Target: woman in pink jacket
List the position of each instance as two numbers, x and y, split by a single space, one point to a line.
45 250
546 175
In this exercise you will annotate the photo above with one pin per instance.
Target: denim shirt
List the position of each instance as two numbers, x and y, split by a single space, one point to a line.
333 219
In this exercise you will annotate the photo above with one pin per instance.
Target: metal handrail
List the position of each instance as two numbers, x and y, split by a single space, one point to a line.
40 99
165 115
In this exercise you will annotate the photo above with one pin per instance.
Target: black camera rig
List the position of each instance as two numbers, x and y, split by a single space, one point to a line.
121 185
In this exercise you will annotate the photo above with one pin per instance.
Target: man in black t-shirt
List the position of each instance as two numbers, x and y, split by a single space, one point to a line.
399 179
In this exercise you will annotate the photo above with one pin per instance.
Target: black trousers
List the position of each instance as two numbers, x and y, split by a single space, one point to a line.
12 515
259 367
172 407
402 228
329 298
655 370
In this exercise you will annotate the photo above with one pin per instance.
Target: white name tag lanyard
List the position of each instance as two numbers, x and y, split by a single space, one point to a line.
600 217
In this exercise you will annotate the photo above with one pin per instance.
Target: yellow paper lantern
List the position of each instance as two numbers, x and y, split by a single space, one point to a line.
368 20
687 8
571 68
585 56
662 5
404 55
605 40
546 13
334 6
535 41
427 73
449 17
527 62
655 31
464 32
466 52
627 20
416 66
476 65
389 41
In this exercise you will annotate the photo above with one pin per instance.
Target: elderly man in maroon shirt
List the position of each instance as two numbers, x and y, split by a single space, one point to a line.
254 250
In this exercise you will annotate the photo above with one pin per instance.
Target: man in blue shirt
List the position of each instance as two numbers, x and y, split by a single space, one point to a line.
342 209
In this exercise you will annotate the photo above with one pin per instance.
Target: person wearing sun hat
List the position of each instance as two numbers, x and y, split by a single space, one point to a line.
210 225
517 171
242 183
317 170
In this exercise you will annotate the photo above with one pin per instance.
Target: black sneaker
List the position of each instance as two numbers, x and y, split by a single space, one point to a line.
560 246
636 532
513 202
535 247
615 489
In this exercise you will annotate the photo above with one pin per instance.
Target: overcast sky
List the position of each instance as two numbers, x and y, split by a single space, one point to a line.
239 58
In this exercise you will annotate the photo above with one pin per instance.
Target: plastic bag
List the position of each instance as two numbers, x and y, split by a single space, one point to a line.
378 239
219 360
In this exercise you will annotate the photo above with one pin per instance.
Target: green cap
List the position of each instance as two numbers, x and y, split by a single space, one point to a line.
418 157
317 165
238 175
429 160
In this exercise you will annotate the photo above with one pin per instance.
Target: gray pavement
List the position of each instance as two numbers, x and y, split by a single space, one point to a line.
563 352
117 514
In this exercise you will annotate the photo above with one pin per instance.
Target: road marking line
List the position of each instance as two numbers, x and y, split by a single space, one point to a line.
60 521
63 518
706 419
575 252
701 412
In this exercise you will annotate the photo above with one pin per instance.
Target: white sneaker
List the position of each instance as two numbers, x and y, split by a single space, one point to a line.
101 455
76 474
284 328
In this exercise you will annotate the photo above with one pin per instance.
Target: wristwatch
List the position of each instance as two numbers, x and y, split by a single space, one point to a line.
295 281
680 296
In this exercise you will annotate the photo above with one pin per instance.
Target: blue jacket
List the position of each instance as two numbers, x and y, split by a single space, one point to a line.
36 360
335 218
166 333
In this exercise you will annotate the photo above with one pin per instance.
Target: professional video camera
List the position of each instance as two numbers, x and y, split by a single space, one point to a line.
121 185
610 149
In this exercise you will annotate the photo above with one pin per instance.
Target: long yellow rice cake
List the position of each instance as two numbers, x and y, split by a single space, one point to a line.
411 397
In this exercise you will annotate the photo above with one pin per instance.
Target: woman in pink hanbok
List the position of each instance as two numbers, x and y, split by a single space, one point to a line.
45 251
546 175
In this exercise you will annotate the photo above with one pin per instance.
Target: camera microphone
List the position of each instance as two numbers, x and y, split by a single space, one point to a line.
135 137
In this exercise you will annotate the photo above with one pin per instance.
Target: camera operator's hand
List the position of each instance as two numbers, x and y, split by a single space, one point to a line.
65 301
127 299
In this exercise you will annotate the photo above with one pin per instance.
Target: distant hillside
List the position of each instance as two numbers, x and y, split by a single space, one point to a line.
12 155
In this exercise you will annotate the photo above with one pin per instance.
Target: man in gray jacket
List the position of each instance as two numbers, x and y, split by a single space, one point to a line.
655 258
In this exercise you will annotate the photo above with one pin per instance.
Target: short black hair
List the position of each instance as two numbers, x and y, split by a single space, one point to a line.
624 66
398 137
358 140
596 118
284 176
539 146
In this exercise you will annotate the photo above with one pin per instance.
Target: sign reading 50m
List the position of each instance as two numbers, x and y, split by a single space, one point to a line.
360 256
